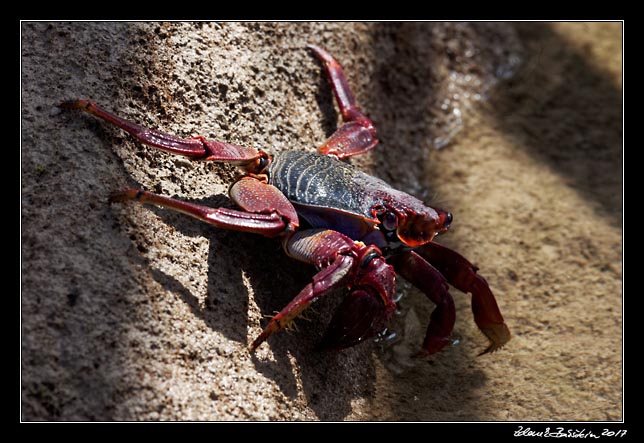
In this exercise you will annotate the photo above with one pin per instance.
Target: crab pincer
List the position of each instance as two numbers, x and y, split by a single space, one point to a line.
463 275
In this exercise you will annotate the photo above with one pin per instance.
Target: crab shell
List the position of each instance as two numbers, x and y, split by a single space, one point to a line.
340 197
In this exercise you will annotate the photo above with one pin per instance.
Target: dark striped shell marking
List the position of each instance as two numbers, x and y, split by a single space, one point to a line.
312 179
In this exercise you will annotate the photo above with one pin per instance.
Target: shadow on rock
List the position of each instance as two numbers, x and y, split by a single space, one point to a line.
326 378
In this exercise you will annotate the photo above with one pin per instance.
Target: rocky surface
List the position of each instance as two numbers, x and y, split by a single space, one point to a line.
135 313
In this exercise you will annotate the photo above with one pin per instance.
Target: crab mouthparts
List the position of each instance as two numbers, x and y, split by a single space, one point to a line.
417 232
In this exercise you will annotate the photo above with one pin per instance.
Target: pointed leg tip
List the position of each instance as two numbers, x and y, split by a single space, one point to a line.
426 352
253 347
116 197
270 329
67 104
321 53
257 342
121 196
433 346
314 48
73 104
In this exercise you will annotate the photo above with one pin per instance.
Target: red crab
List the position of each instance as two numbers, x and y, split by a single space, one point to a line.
354 228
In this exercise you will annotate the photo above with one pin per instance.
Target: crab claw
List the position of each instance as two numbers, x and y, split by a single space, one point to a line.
487 315
428 279
365 311
498 334
462 274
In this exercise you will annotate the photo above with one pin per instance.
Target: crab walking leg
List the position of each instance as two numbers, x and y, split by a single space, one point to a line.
429 280
328 279
325 249
196 148
358 134
270 224
341 90
462 275
343 262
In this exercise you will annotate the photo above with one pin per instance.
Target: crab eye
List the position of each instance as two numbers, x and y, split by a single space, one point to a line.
262 163
389 221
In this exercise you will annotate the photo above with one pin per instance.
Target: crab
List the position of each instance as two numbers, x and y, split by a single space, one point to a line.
356 229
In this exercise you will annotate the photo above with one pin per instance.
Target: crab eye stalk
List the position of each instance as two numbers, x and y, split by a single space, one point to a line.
445 220
389 221
262 163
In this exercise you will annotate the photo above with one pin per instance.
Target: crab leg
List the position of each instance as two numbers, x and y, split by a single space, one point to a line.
329 278
196 148
269 213
343 262
428 279
462 275
357 135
